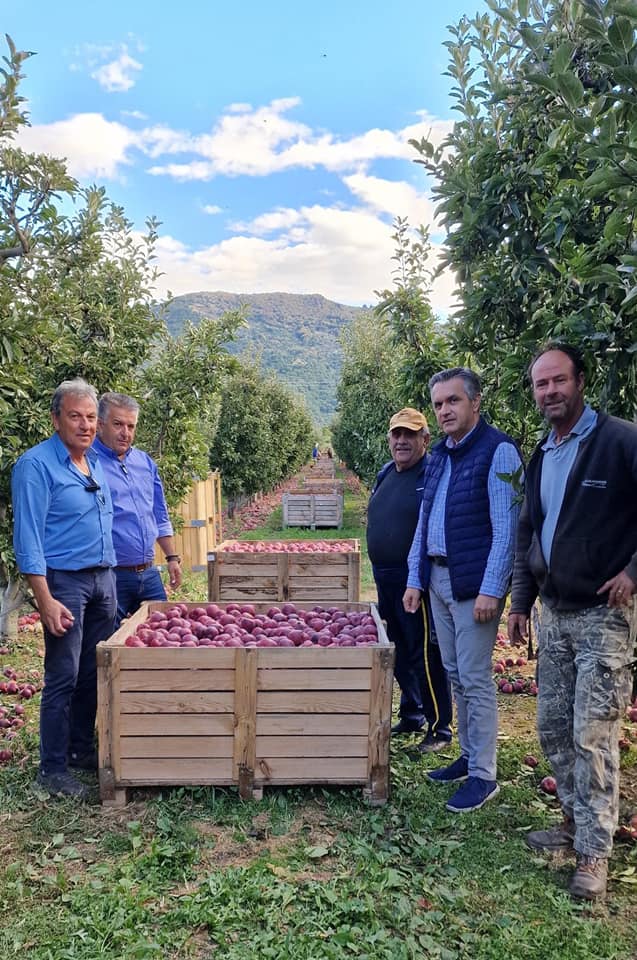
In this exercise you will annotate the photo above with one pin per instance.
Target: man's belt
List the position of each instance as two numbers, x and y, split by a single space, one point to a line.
439 561
136 567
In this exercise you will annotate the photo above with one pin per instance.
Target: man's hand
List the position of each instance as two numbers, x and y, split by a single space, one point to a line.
620 589
485 608
411 599
174 574
55 617
518 625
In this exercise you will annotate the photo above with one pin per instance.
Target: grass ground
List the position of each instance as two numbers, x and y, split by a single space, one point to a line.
304 874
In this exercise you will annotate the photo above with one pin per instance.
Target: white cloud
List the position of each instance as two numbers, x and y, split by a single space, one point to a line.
211 208
345 255
134 114
92 145
393 197
117 76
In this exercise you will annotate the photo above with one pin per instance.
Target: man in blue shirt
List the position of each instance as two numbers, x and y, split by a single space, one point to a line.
463 553
63 545
140 513
577 550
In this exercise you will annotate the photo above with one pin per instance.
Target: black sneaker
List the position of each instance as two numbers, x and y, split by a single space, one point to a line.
433 742
62 785
404 727
83 761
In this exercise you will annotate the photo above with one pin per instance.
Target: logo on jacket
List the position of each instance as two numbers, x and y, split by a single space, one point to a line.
596 484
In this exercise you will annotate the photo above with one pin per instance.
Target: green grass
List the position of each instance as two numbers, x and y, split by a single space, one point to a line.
304 874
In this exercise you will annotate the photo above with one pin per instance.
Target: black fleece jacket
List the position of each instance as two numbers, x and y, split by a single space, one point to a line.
596 533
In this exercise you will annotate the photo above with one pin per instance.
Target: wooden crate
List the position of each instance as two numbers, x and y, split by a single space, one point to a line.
201 531
319 485
273 577
321 468
312 510
248 717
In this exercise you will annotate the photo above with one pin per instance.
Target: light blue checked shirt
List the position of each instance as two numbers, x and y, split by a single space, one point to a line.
504 517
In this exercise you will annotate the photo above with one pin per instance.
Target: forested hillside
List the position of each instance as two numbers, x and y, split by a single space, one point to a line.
295 336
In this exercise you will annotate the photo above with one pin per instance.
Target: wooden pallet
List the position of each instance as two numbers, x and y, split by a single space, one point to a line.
275 577
312 510
244 717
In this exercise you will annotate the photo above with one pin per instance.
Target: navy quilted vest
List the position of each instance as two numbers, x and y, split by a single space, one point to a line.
468 530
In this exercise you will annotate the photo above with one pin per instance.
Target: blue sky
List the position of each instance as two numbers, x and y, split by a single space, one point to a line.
269 138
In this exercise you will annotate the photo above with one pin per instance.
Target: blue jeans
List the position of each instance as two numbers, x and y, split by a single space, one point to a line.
133 588
466 648
69 697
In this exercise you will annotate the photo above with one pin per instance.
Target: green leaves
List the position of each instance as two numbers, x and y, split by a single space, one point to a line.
621 35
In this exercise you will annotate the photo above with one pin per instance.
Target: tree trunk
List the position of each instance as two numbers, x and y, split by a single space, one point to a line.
12 596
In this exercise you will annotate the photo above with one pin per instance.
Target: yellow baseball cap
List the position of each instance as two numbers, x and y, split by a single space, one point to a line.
410 419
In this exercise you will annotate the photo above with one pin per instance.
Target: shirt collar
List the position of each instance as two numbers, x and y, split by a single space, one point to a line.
583 426
452 444
105 451
62 451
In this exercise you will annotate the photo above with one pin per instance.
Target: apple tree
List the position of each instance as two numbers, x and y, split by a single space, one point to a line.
537 188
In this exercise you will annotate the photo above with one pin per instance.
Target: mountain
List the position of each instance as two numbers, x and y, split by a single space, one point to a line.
296 336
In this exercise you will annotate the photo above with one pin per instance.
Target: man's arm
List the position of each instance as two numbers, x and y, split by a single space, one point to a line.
165 533
54 615
167 544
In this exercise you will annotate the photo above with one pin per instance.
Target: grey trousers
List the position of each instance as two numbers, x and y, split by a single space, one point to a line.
584 686
466 648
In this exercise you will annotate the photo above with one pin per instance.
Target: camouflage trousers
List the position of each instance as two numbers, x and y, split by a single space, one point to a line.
584 682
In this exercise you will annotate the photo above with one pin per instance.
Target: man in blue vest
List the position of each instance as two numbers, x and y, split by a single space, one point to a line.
392 515
462 553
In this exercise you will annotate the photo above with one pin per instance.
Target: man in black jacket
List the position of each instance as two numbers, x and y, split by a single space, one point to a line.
577 549
391 519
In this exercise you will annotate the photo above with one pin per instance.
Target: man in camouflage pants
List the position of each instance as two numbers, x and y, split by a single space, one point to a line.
577 549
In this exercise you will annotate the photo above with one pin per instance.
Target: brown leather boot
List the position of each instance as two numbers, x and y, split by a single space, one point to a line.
559 837
590 877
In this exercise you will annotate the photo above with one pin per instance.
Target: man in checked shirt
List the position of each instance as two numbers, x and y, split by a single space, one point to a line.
462 553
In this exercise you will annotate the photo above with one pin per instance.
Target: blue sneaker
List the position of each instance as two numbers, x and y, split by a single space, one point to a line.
472 795
454 773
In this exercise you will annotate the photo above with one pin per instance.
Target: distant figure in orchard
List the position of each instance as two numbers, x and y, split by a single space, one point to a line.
140 516
63 545
316 453
392 515
463 554
577 549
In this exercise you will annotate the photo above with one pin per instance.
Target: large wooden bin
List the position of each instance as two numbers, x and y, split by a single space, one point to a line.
248 717
275 577
305 509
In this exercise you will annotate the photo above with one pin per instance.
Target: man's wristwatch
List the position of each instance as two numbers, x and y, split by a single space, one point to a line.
173 556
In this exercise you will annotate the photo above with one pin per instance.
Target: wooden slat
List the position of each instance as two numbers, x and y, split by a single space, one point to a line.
176 658
178 771
107 719
245 715
322 724
305 746
176 702
323 701
171 680
337 658
311 770
170 747
313 679
176 724
264 565
379 724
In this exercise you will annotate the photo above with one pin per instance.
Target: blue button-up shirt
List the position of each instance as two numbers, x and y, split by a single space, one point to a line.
504 516
141 514
58 522
556 466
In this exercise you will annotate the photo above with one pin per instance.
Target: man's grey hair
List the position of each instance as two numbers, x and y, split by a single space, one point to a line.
470 380
108 400
72 388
